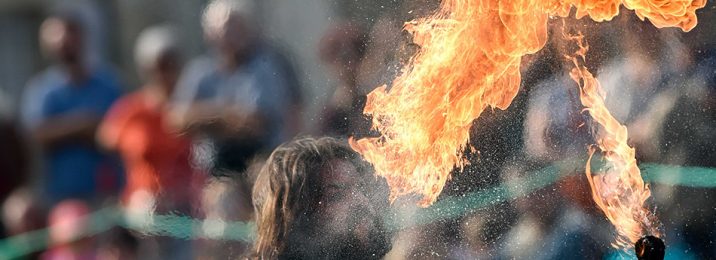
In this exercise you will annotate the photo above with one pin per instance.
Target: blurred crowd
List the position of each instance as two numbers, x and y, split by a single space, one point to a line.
196 139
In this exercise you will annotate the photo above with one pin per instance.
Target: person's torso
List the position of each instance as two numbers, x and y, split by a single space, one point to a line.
260 85
155 156
74 168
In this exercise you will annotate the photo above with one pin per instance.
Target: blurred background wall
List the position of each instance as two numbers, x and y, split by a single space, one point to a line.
19 55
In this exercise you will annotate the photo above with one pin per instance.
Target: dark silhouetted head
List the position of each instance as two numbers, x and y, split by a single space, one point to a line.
650 248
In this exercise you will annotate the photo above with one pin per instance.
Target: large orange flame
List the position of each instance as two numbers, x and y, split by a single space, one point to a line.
619 190
469 60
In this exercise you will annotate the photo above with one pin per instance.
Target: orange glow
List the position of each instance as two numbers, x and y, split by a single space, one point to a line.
619 190
468 61
667 13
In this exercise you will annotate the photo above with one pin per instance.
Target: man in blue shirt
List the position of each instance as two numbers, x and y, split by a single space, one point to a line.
62 108
243 99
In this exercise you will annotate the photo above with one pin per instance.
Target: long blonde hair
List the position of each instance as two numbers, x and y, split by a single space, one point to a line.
287 183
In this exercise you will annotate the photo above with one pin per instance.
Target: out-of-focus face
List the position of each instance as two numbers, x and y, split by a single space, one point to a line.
346 202
232 36
63 40
167 69
342 49
346 63
348 220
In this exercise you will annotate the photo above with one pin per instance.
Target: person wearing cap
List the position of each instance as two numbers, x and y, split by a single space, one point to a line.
137 128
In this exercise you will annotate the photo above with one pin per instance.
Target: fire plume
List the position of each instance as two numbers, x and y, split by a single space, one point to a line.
468 61
619 190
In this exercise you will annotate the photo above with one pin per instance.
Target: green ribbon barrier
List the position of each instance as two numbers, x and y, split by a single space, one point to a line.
453 207
36 241
184 227
694 177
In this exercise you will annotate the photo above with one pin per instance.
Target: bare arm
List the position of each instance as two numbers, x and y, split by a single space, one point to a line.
225 121
72 128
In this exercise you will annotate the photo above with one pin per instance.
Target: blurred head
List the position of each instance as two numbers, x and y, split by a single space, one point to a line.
553 127
343 48
62 38
118 243
21 212
68 221
157 56
318 198
230 26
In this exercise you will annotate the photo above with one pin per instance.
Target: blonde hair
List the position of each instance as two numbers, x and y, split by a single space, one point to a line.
287 183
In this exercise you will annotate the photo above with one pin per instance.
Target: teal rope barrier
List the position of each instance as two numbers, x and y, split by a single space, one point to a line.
181 227
694 177
184 227
453 207
36 241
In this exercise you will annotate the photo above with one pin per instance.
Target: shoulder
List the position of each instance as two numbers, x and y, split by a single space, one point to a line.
268 54
268 49
129 102
44 82
201 66
198 71
124 109
50 74
270 64
107 76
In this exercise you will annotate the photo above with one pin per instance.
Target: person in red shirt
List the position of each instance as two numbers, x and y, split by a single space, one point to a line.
137 127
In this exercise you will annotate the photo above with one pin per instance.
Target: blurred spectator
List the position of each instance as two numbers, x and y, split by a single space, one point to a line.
22 212
243 98
552 121
156 157
385 51
560 220
317 199
225 199
14 161
556 222
342 49
689 127
63 107
69 223
688 139
118 244
640 84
